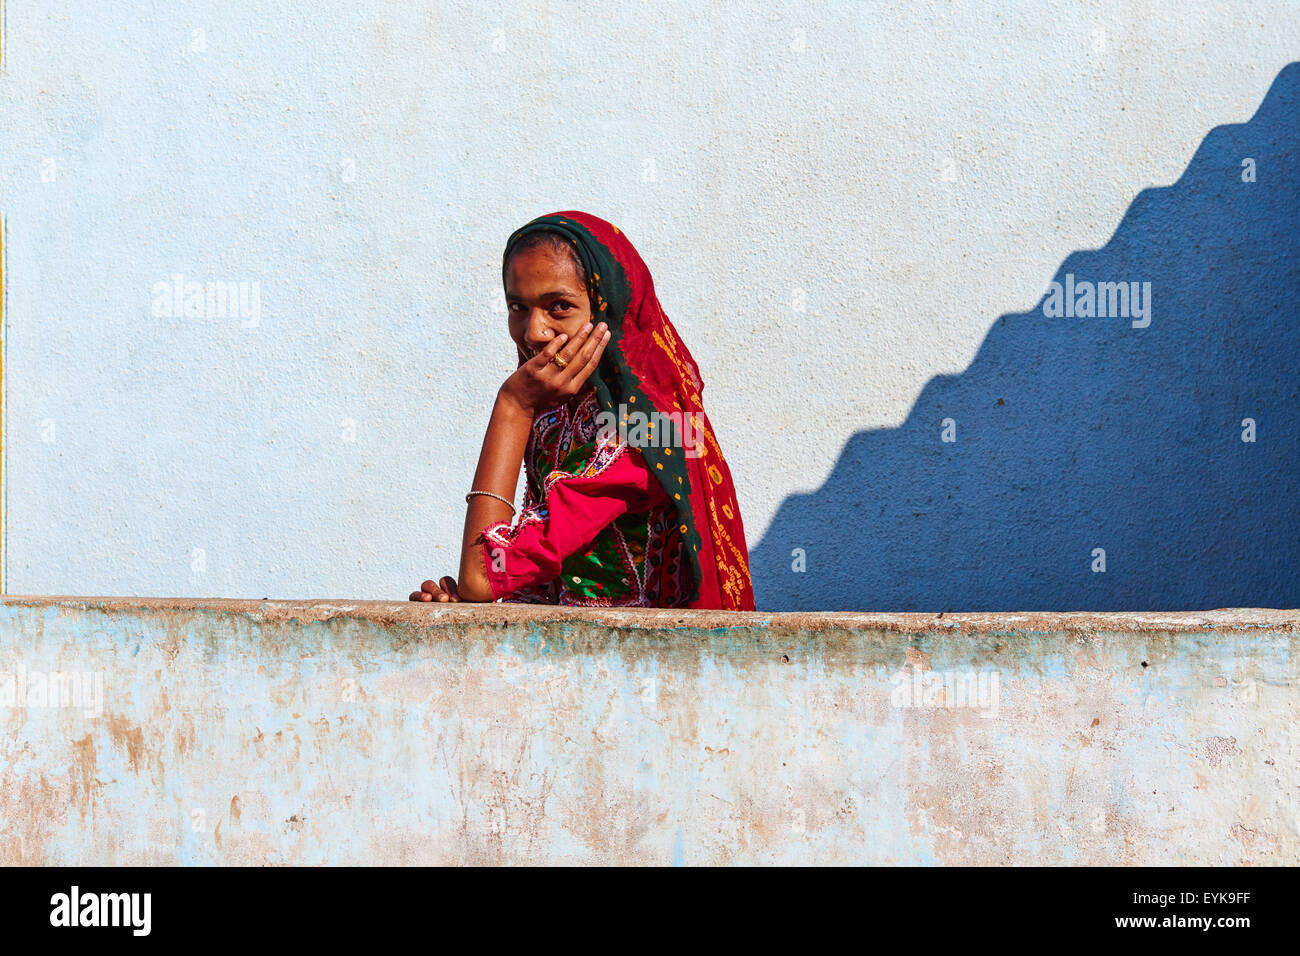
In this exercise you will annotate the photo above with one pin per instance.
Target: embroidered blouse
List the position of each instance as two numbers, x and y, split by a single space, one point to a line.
597 528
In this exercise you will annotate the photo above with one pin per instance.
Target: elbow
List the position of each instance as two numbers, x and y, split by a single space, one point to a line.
479 592
473 584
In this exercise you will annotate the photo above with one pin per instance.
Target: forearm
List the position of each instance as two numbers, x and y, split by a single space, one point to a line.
498 472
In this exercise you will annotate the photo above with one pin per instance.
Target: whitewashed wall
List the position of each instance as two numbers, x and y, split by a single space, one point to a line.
836 200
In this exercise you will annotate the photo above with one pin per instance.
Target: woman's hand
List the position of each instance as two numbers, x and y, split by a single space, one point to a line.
540 384
445 590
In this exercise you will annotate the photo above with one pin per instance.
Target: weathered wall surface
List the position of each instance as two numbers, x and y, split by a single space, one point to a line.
275 732
839 202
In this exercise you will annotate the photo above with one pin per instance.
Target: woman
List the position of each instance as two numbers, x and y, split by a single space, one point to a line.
628 501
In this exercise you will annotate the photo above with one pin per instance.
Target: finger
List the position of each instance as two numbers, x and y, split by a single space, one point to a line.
415 595
590 358
448 584
595 341
552 347
569 354
421 597
575 345
431 588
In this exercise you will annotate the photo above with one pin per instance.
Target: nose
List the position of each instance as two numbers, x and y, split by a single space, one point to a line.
539 332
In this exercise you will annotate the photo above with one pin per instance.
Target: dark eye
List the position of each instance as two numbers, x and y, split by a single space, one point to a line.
561 304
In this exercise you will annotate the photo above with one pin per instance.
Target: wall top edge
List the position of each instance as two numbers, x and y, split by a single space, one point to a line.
405 613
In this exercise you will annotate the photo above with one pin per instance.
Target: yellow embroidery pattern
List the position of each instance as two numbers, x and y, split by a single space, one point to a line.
668 342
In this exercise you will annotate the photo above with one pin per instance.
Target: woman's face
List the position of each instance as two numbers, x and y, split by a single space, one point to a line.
545 297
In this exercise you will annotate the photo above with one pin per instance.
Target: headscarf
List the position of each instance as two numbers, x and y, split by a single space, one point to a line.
647 368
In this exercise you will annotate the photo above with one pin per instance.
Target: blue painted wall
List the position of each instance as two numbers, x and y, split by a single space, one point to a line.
1097 463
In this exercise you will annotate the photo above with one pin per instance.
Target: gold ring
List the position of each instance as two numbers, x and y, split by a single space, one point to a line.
560 362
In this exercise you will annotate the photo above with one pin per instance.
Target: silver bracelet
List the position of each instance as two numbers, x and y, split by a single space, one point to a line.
491 495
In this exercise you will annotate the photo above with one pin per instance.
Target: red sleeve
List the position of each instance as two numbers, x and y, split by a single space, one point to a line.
573 510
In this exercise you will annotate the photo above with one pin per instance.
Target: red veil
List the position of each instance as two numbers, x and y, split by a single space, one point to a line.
646 370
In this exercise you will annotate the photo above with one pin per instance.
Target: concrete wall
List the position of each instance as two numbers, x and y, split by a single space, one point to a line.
351 732
842 203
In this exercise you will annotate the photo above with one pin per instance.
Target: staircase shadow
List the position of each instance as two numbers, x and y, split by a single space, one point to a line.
1074 434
